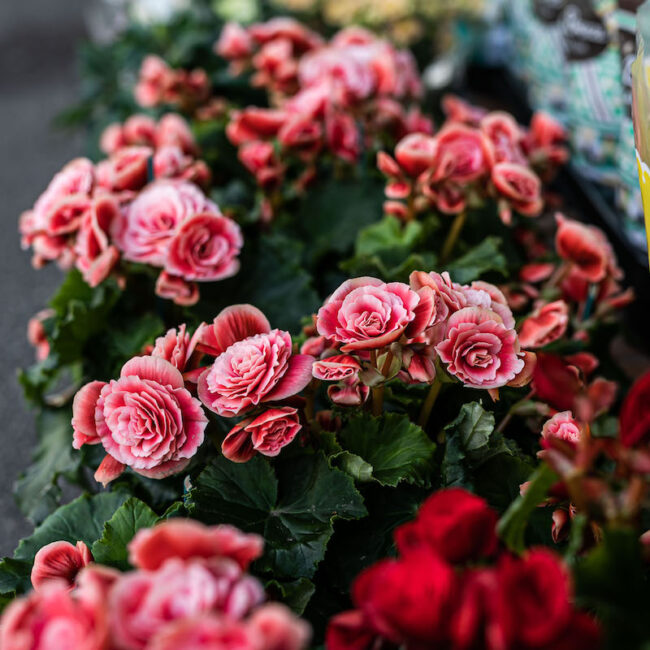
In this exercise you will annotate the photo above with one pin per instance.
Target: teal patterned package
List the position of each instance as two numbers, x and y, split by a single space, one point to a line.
520 20
548 82
595 94
628 194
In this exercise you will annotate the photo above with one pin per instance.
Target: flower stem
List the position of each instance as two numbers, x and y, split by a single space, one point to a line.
378 400
429 402
452 237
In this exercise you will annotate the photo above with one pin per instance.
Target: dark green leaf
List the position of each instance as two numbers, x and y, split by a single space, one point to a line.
477 261
14 577
293 511
295 594
611 580
37 490
391 448
81 520
512 526
334 212
119 530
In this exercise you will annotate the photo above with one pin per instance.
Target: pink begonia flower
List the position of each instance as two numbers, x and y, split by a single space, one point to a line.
254 123
96 256
54 617
206 632
234 42
36 334
448 298
155 77
126 170
205 247
587 248
152 220
415 153
146 419
519 189
505 135
186 539
177 289
367 314
173 130
342 136
112 138
140 129
479 349
545 325
279 628
266 434
349 392
254 364
462 156
59 561
142 602
564 427
176 346
336 368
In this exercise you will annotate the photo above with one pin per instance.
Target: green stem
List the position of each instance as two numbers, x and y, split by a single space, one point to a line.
452 237
429 402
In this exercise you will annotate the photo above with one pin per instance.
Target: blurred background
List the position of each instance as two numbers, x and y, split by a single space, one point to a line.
38 79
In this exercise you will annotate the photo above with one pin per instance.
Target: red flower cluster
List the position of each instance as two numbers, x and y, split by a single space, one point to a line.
324 97
159 84
149 420
437 594
475 156
190 589
92 215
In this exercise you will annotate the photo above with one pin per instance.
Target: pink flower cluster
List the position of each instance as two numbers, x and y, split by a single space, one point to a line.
91 216
324 96
189 590
452 587
159 84
475 156
149 420
369 331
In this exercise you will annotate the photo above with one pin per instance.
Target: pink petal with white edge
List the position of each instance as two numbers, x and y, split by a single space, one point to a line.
166 469
375 343
233 324
108 470
350 285
83 415
237 445
155 369
298 375
423 313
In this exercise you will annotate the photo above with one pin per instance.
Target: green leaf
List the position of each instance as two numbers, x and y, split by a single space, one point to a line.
485 257
612 581
389 234
334 212
295 594
81 313
392 448
119 530
293 508
271 278
512 526
37 491
470 442
81 520
14 577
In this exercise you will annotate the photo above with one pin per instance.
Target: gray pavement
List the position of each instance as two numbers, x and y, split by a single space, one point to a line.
38 78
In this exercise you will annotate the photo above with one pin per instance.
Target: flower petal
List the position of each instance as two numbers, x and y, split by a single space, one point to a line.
298 375
155 369
233 324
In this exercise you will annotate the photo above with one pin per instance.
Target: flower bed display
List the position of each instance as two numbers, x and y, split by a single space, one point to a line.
327 371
